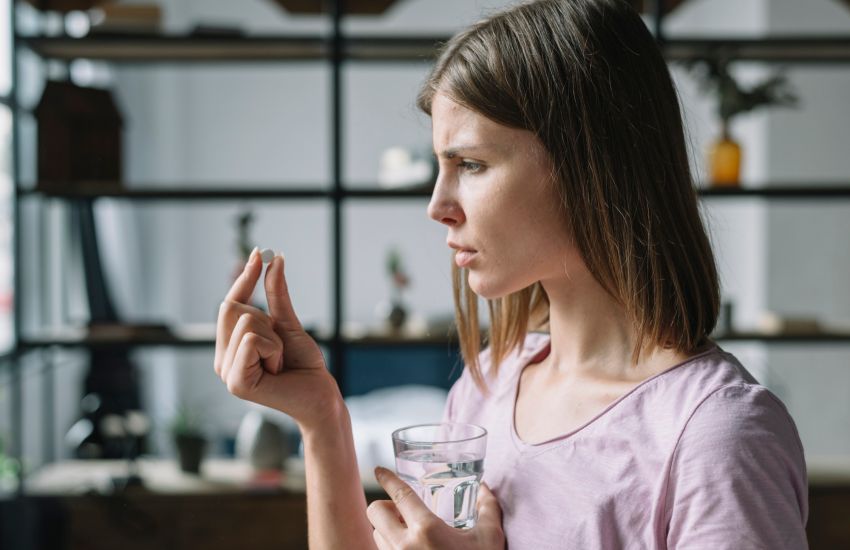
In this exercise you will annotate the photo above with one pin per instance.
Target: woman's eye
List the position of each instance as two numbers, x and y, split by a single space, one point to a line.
471 167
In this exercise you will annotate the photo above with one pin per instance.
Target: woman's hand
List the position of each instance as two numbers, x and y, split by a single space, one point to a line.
406 523
270 359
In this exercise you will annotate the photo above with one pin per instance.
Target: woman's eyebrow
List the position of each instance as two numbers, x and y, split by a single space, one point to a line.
458 150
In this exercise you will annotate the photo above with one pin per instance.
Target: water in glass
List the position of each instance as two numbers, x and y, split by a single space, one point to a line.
446 481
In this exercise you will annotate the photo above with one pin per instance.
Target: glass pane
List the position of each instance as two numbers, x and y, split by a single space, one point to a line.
372 233
380 115
6 232
248 125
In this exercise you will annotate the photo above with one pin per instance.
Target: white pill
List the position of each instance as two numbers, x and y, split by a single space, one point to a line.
267 255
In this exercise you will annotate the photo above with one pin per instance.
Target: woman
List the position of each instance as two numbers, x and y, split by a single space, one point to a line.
565 188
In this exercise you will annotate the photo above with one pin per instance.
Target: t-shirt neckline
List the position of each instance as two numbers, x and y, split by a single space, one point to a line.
536 355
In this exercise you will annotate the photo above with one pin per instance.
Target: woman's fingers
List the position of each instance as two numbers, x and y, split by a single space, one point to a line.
243 287
408 503
240 293
277 296
380 541
228 314
247 371
489 516
246 324
384 517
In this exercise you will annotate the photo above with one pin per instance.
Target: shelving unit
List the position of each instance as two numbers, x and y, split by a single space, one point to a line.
335 49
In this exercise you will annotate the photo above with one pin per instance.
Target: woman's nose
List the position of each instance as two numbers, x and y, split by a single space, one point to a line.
444 208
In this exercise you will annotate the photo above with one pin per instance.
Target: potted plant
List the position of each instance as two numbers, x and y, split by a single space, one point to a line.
733 99
189 439
9 469
399 280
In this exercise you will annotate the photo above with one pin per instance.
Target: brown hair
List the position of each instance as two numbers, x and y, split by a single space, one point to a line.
587 78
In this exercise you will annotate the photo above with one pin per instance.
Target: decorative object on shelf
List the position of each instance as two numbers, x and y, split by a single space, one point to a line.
262 442
189 439
65 6
350 7
79 137
244 221
774 323
125 18
394 313
724 154
400 169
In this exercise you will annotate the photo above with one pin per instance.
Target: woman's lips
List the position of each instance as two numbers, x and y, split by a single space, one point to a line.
464 257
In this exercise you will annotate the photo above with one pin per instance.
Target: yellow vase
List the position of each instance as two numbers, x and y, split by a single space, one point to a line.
724 157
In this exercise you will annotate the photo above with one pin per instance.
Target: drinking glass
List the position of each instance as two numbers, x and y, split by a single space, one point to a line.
443 464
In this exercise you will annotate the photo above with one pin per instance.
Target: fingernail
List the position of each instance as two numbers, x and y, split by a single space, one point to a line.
253 255
379 472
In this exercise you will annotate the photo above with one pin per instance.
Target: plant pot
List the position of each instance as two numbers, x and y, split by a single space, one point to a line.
724 158
190 449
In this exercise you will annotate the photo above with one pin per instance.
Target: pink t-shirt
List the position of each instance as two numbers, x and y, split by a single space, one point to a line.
698 456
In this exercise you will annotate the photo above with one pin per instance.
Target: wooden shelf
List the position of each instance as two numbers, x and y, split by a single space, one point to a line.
796 192
148 48
203 335
151 48
121 336
802 338
157 47
160 192
777 49
176 192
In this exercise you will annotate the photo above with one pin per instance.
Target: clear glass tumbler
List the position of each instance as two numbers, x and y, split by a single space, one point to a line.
443 464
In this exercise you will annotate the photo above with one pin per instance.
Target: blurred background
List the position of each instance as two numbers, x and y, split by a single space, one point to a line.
146 147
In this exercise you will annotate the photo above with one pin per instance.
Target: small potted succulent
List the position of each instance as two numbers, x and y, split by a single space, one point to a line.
189 439
733 100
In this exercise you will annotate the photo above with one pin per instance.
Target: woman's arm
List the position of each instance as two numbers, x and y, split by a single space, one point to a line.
269 359
738 476
336 503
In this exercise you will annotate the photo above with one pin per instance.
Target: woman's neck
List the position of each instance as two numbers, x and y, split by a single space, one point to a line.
592 338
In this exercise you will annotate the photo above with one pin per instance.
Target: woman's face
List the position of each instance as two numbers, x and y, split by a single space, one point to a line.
495 195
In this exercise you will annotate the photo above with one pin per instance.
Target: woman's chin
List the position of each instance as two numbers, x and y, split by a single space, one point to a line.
488 290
